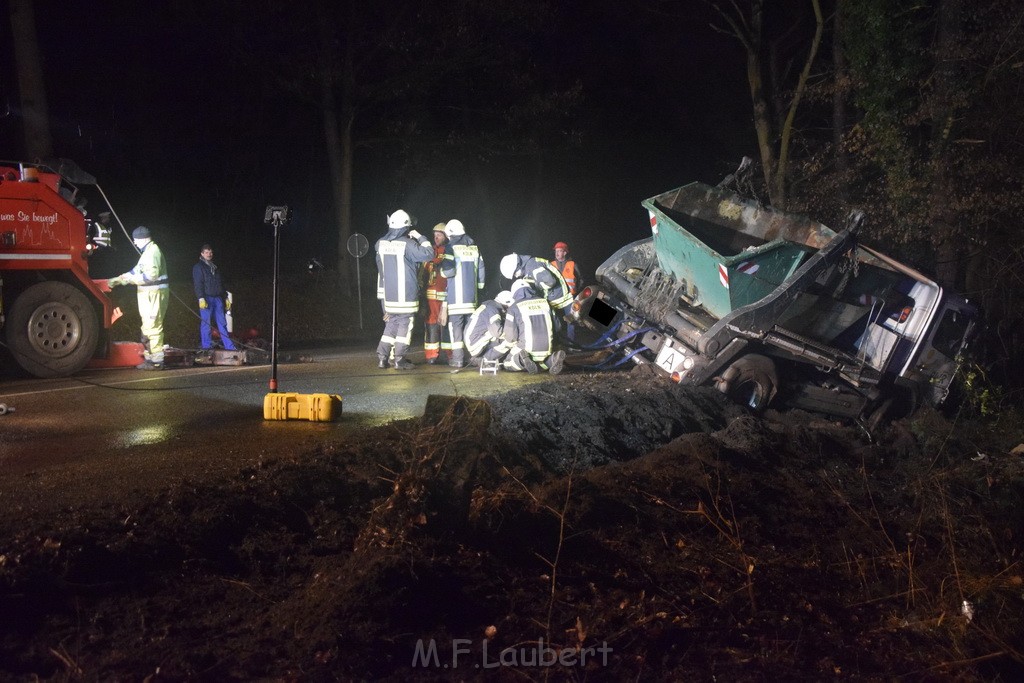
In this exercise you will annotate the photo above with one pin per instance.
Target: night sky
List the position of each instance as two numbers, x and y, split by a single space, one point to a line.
195 116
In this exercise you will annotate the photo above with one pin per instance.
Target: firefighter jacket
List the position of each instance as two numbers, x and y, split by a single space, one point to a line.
206 280
570 273
150 273
539 272
398 256
434 282
528 325
485 326
464 268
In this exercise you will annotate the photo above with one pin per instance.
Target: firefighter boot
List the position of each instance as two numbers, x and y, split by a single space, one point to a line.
527 363
403 364
556 362
382 362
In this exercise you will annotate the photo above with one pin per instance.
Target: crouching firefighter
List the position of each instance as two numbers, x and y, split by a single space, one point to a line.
544 278
529 330
484 332
399 252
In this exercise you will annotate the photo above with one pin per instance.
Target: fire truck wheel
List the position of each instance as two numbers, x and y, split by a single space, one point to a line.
752 381
52 330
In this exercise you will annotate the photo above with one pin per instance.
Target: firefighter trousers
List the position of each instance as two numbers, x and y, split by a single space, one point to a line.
432 330
455 344
397 335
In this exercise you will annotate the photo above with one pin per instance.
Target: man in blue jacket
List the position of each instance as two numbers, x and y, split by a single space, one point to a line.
213 302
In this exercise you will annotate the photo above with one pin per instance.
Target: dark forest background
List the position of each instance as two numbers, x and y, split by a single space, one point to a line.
534 121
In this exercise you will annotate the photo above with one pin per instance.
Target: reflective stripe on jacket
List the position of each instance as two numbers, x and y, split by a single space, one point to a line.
570 274
151 270
540 272
528 327
485 325
398 255
437 285
464 268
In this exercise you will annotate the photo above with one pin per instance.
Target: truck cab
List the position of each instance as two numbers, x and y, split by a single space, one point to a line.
53 316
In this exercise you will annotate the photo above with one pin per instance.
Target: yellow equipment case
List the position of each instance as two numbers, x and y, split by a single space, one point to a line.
293 406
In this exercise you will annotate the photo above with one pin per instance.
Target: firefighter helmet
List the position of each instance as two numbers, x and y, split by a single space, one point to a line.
454 227
509 265
561 245
440 228
504 297
399 219
518 285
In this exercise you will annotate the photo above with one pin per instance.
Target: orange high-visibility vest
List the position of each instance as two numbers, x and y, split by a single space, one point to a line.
569 273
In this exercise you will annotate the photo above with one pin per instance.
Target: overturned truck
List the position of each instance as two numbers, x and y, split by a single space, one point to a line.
774 307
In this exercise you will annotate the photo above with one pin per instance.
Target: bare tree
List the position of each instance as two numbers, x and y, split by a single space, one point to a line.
774 129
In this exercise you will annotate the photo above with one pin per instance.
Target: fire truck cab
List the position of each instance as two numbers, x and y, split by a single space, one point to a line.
53 316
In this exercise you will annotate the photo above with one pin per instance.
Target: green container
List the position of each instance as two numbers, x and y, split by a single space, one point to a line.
727 251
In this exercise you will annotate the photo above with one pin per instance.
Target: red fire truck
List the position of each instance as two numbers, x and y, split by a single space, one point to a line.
53 317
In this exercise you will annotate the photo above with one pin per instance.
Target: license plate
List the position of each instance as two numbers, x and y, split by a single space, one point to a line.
670 359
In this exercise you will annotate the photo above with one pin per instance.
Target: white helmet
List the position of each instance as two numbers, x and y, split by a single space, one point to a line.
454 227
518 285
508 265
504 298
399 219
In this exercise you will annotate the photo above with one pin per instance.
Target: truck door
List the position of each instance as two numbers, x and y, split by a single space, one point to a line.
936 364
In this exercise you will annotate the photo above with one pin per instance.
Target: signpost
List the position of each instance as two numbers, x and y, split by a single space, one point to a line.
358 245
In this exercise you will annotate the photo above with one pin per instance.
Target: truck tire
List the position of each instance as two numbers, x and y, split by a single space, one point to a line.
751 381
52 330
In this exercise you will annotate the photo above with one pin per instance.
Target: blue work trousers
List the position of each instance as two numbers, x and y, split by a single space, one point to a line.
215 310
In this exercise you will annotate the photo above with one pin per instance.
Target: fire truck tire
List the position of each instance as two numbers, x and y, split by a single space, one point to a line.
52 330
752 381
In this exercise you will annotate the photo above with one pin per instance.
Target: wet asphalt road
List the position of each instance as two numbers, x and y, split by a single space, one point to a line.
116 433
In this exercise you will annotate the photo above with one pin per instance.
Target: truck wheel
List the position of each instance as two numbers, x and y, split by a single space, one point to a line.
52 330
751 381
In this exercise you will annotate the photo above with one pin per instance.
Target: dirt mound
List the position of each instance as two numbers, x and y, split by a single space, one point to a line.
597 419
606 528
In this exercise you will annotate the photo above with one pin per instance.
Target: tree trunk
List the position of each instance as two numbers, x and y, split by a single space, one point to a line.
762 111
34 110
338 144
946 237
779 193
839 100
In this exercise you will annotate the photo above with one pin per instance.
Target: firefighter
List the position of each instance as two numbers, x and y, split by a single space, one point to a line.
542 275
570 271
436 287
484 332
529 331
463 267
213 302
150 277
399 252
